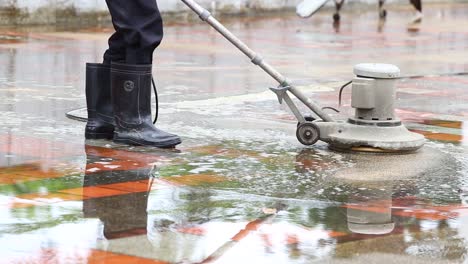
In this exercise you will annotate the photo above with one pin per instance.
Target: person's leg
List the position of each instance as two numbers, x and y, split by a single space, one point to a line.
338 5
116 50
418 6
101 123
382 11
140 24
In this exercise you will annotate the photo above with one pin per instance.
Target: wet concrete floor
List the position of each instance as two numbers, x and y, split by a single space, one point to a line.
240 189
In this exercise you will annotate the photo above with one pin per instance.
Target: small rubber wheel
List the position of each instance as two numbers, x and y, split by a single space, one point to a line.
336 17
308 133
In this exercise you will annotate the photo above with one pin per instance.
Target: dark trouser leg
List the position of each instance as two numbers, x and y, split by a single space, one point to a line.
382 11
139 30
417 4
338 5
116 50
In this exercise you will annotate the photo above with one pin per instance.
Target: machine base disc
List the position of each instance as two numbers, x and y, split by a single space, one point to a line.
375 139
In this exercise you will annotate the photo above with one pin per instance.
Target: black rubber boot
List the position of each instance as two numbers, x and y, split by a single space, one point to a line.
131 98
100 123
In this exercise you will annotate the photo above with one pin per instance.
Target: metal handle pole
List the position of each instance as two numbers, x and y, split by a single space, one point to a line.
256 59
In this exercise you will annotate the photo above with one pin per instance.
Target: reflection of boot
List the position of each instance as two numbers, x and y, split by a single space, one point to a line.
98 101
121 210
131 97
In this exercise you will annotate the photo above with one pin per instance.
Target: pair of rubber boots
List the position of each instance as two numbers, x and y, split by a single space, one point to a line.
118 98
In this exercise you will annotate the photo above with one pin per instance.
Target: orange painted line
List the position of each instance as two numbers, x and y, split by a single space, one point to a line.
408 209
27 172
444 137
440 136
78 194
16 205
98 256
94 192
122 155
46 150
116 165
14 179
336 234
252 226
425 215
198 231
52 255
132 187
51 197
195 179
443 123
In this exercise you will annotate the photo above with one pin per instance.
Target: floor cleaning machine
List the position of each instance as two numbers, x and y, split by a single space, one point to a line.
374 126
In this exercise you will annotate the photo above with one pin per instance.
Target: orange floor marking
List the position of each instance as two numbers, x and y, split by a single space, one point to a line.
425 214
251 226
99 256
444 137
198 231
16 205
14 179
78 194
116 165
410 207
26 172
122 155
93 192
51 255
195 179
134 186
51 197
444 123
440 136
336 234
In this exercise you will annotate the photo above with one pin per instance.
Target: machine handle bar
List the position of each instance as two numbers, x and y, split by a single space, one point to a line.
256 59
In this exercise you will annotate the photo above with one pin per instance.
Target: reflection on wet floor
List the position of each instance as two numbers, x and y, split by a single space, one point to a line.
240 188
139 198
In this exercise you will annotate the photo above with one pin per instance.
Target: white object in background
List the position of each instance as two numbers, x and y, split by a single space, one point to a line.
309 7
